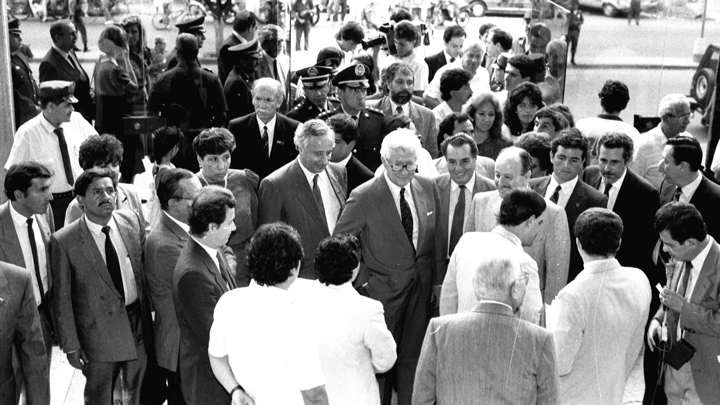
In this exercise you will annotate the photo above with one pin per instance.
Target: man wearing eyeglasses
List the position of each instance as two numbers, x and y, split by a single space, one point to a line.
395 216
675 116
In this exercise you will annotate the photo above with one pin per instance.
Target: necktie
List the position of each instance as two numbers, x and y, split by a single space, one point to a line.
33 247
458 220
452 59
65 155
265 139
72 62
112 263
318 198
678 193
608 186
556 194
399 110
406 216
224 272
354 117
684 279
275 70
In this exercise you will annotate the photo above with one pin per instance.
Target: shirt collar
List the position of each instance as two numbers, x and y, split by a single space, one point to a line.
405 107
185 227
469 185
567 187
345 161
270 124
211 251
46 124
279 292
610 117
96 229
18 218
601 266
346 287
63 53
496 303
691 187
310 175
617 184
502 231
448 57
699 260
394 188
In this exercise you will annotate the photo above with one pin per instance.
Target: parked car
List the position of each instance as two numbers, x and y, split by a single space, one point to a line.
610 8
703 82
479 8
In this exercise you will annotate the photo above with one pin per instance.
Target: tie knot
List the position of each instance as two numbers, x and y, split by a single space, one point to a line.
265 127
399 110
59 131
106 230
29 221
688 266
462 187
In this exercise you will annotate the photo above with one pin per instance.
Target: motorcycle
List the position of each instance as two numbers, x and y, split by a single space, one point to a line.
449 10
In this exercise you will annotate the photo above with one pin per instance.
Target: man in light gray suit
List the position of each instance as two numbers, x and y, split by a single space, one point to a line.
551 247
516 365
398 78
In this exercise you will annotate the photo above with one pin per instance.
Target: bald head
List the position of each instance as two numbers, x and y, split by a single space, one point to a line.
512 170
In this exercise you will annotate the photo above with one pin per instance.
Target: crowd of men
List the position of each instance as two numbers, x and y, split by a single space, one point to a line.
350 244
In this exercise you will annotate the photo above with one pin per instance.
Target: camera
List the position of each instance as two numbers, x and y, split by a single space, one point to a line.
387 36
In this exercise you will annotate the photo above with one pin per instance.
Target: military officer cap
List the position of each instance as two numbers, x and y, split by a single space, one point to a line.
352 76
250 49
58 90
14 27
330 62
315 77
191 25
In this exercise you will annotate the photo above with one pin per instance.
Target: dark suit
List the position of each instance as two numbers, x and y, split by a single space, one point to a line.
286 196
224 58
395 272
22 336
367 147
55 67
357 174
197 287
444 184
26 95
249 153
238 94
91 314
435 62
582 198
706 199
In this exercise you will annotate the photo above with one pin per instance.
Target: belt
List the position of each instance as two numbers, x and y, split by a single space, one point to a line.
63 195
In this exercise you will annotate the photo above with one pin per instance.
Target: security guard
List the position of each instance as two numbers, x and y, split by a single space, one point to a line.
238 85
352 84
316 82
193 25
25 89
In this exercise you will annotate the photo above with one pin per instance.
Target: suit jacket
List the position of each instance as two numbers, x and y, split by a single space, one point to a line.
422 117
249 153
89 311
357 173
367 147
701 324
706 199
26 95
162 251
434 63
286 196
582 198
55 67
636 204
444 184
197 287
224 58
550 249
21 333
238 94
517 368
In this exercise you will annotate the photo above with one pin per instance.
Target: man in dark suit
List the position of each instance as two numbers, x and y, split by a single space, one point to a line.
102 314
453 38
244 28
60 63
399 79
396 216
176 190
239 83
201 276
21 338
264 138
564 187
460 151
352 85
346 136
26 95
308 193
683 181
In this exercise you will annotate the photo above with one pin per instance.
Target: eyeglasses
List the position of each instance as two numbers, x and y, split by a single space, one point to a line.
397 167
689 116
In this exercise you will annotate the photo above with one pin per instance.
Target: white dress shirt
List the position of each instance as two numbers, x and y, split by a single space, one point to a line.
20 222
687 192
565 190
126 270
454 194
614 190
442 111
480 82
270 129
697 264
405 108
395 191
331 204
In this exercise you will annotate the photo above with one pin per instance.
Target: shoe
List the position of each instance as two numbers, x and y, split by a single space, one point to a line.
573 61
86 49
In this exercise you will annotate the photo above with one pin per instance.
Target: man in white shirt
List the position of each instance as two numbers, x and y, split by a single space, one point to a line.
473 52
407 38
455 91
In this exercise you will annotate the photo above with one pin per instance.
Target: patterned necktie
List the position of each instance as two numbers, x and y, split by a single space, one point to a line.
224 272
406 216
65 155
678 193
608 186
458 220
399 110
318 198
265 140
112 263
556 195
33 247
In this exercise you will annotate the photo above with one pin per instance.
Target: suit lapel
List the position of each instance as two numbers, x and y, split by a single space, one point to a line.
700 192
624 195
203 255
279 131
11 241
92 254
133 249
64 63
421 209
305 194
444 187
703 282
390 216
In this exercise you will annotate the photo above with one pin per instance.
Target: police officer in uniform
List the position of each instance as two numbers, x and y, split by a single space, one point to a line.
352 84
238 85
25 90
193 25
316 82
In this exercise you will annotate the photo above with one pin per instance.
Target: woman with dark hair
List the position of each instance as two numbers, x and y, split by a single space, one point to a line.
140 60
484 110
520 108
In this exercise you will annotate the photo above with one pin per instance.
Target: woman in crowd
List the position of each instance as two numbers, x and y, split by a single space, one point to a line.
522 104
140 59
484 110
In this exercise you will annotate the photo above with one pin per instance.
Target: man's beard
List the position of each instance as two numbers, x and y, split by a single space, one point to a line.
402 97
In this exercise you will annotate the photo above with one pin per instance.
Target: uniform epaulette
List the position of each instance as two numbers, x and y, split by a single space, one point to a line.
208 70
299 106
375 110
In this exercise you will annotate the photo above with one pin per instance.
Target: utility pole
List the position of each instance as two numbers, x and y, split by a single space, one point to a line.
7 116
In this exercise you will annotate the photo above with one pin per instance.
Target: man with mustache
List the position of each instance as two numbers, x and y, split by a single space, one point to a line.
399 80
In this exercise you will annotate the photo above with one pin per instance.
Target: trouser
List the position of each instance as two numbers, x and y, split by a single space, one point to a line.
21 395
80 26
59 205
573 36
299 31
340 7
174 393
679 386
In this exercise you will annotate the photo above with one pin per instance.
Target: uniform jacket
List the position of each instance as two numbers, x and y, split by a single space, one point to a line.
367 147
224 58
26 95
422 117
238 93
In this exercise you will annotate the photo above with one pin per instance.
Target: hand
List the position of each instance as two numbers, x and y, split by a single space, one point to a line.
672 300
77 359
435 299
239 397
653 334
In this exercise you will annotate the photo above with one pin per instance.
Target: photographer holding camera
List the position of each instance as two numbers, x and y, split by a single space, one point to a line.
404 37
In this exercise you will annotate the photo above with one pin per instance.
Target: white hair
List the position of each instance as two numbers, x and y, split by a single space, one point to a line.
670 103
473 43
401 138
310 129
271 84
494 275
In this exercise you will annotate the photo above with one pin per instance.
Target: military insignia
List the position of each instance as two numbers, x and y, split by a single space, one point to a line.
359 70
312 72
328 62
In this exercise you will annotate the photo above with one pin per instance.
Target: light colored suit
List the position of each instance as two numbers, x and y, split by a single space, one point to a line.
486 356
458 291
285 195
598 321
422 117
353 341
550 249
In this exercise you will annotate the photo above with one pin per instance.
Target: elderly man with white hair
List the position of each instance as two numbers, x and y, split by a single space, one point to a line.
395 217
488 353
473 52
675 115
